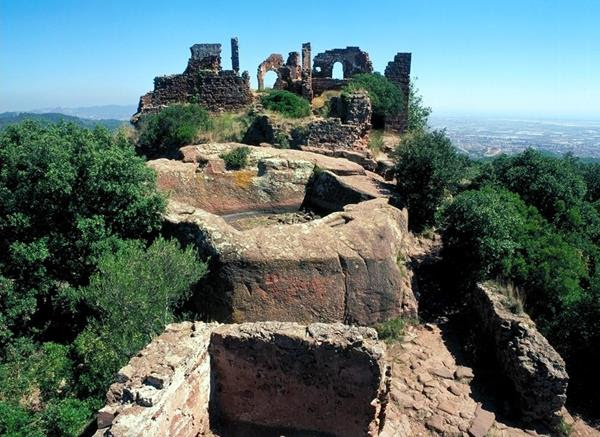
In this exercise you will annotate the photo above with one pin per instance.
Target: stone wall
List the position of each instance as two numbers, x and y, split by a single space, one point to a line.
196 379
235 55
332 134
321 84
307 91
530 363
289 74
324 379
203 82
352 108
398 71
346 129
164 390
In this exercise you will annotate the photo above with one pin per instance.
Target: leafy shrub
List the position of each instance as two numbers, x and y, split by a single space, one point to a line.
391 330
68 417
282 140
418 113
480 229
386 97
286 103
428 169
162 134
237 158
16 421
553 185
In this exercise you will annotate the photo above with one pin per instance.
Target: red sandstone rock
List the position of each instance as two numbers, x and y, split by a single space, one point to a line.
273 179
482 423
343 267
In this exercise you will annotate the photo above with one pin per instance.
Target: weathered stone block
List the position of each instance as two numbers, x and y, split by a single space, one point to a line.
339 268
329 379
271 376
535 369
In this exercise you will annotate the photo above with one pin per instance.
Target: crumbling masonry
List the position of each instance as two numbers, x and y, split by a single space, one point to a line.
204 82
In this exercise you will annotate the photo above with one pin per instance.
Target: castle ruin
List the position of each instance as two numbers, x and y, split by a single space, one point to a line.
205 82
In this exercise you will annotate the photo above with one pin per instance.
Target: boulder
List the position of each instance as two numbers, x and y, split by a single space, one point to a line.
344 267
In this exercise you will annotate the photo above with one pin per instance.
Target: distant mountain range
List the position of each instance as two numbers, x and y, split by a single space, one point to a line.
116 112
8 118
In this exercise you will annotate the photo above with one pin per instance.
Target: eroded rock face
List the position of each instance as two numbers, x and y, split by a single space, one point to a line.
535 369
343 267
196 379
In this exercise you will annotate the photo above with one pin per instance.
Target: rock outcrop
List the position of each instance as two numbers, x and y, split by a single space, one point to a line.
196 379
273 180
535 369
343 267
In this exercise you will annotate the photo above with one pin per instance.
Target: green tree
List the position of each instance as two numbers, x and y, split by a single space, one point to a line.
163 133
428 169
386 97
418 113
553 185
591 174
67 195
134 294
479 230
16 421
67 417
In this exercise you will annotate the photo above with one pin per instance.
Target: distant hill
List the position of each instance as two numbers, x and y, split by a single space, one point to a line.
116 112
8 118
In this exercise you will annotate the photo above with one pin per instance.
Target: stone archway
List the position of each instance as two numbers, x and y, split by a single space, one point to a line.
273 63
353 61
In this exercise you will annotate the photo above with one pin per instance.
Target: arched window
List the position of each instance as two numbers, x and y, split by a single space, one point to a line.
270 78
338 71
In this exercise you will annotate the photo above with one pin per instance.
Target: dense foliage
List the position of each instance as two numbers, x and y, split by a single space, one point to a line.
81 287
163 133
428 169
286 103
386 97
528 220
133 295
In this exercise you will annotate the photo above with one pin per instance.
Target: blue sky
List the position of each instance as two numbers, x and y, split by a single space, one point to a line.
519 57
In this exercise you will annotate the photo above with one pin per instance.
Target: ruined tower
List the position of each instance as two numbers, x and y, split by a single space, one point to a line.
398 71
